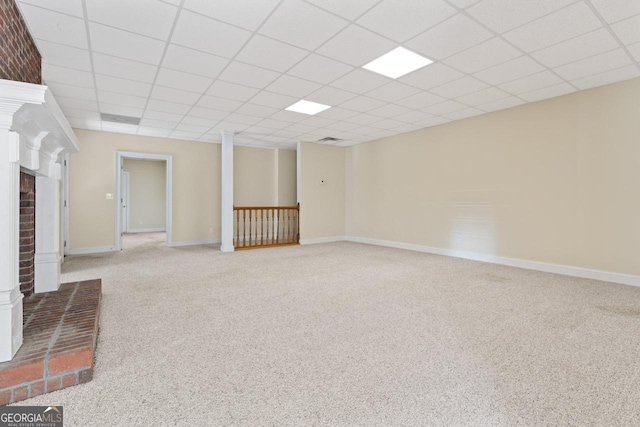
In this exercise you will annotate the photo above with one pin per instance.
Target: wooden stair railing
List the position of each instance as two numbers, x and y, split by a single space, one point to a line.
265 226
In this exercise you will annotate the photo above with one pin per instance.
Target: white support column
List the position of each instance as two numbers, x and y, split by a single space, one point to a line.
10 296
227 192
47 257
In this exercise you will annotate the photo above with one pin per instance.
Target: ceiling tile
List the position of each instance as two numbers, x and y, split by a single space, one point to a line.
501 104
431 76
183 81
68 7
297 127
445 107
634 49
577 48
360 81
231 91
147 17
484 55
420 100
54 73
435 121
174 95
69 91
163 124
248 75
189 136
483 96
364 119
463 3
627 30
504 15
510 70
347 9
162 115
242 118
362 104
343 126
275 100
338 113
121 99
124 68
402 19
208 35
613 11
413 116
55 27
119 128
387 124
79 104
450 37
256 110
317 121
608 77
293 86
548 92
192 128
193 61
151 131
247 14
271 54
208 113
215 103
390 110
289 116
356 46
85 124
594 65
167 107
125 45
459 87
319 69
81 114
301 24
330 96
121 110
533 82
562 25
197 121
393 91
273 124
64 56
116 84
464 114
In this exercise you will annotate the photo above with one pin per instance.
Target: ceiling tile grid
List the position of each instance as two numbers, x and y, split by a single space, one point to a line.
191 69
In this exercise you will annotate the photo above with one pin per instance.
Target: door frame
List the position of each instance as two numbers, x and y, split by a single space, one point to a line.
125 222
120 156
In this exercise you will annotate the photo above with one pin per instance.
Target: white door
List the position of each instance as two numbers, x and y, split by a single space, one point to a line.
124 202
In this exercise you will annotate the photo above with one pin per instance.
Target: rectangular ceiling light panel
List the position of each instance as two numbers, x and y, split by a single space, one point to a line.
397 63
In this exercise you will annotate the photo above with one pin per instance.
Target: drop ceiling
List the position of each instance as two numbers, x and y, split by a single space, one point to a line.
191 68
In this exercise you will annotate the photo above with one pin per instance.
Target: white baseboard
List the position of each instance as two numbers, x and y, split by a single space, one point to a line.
91 250
146 230
322 240
180 243
606 276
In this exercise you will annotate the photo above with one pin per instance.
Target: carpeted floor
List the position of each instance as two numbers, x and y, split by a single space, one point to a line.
350 334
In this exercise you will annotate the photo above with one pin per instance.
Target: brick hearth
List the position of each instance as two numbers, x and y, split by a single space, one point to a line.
60 335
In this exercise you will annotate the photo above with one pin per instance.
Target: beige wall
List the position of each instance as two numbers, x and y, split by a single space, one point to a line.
196 187
322 206
287 178
264 177
556 181
147 194
254 176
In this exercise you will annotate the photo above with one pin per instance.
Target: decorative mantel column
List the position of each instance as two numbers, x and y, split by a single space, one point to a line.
33 135
227 192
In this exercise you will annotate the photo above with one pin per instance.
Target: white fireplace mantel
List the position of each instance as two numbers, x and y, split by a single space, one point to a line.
34 136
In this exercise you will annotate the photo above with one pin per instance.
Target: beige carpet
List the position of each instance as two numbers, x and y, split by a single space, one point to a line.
349 334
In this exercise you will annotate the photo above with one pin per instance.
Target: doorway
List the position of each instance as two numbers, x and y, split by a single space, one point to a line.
144 197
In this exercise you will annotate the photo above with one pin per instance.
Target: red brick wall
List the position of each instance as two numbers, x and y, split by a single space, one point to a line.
27 232
19 57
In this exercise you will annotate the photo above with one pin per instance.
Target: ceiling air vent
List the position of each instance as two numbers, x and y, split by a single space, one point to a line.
329 139
120 119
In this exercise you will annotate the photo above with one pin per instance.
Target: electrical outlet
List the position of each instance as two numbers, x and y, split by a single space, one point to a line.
109 196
